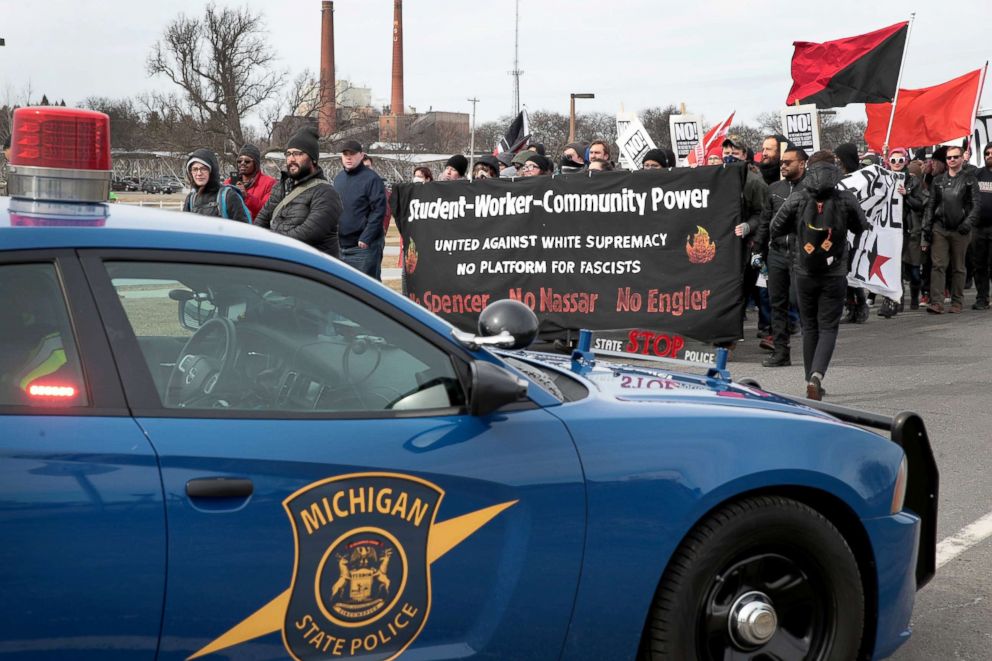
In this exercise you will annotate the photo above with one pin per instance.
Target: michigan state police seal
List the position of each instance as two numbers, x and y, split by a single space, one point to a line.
361 581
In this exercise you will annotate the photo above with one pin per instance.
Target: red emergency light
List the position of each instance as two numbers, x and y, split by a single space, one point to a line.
60 154
51 391
54 137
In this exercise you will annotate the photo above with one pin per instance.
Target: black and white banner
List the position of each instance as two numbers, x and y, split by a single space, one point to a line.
877 263
649 249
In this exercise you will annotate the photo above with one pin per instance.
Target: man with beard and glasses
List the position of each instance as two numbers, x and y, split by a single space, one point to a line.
779 255
303 204
255 185
952 211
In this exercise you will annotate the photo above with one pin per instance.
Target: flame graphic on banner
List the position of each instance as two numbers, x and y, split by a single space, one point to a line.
700 249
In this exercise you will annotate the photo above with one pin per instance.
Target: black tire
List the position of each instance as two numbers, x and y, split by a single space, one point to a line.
771 546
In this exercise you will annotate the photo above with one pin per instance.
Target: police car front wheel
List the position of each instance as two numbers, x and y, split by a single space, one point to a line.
764 578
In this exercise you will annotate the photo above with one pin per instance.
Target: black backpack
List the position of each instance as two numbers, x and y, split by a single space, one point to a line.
822 235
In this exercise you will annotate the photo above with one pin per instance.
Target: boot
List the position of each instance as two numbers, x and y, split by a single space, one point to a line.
914 297
886 309
778 359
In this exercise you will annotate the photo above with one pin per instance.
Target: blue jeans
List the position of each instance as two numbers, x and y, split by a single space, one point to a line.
367 260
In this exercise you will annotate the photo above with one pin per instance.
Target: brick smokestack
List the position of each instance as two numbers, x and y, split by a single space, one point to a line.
396 106
327 114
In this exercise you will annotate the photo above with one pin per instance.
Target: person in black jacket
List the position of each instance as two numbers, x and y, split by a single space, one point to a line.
303 205
983 234
952 211
820 289
207 197
778 254
363 200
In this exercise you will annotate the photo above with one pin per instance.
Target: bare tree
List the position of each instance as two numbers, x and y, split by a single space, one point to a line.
771 122
655 121
223 64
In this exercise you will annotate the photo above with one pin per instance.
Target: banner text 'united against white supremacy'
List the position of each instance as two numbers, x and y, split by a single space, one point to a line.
623 201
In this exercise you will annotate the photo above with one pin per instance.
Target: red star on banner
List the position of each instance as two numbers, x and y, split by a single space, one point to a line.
876 268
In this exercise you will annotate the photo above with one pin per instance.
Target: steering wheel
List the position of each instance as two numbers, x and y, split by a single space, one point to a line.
197 374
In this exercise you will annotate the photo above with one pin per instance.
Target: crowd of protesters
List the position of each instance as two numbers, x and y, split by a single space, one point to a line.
790 207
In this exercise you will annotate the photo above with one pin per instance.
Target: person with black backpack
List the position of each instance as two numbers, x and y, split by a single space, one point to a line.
820 216
210 197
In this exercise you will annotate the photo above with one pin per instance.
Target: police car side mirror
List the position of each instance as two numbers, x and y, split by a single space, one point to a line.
493 388
193 311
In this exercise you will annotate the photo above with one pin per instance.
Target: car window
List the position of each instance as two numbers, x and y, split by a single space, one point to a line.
227 337
39 363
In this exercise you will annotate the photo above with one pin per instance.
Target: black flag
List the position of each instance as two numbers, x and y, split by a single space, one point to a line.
516 135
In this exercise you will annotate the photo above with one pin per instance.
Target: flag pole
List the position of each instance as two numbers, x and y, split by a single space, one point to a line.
974 111
895 99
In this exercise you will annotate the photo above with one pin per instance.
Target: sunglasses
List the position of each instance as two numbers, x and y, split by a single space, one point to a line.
245 161
952 158
897 159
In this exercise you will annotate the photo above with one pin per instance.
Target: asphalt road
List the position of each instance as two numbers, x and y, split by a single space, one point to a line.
938 366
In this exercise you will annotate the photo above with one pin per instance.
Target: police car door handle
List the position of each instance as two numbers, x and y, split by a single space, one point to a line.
219 487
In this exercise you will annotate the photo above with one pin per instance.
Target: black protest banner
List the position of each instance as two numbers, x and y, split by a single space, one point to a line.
650 249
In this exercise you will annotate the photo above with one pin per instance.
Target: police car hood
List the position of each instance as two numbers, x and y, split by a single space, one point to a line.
652 383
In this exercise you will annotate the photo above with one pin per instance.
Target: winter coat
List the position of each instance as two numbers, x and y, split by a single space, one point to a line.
363 200
912 220
778 193
205 202
755 196
820 184
257 192
311 217
984 178
954 203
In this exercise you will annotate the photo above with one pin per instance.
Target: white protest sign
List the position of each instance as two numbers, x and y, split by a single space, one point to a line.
801 128
634 144
687 131
877 263
980 137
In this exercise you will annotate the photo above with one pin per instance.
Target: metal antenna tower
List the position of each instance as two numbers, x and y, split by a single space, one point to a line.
516 60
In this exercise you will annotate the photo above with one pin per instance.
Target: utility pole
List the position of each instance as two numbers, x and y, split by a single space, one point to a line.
516 61
471 149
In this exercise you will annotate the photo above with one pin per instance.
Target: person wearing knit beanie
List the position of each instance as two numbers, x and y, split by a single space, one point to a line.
656 159
306 141
455 168
536 166
255 185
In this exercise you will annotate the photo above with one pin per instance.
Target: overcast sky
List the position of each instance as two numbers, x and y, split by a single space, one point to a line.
713 56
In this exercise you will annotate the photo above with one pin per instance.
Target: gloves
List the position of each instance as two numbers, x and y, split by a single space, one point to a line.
964 228
742 230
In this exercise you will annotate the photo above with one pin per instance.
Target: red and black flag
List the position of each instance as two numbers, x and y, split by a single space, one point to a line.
860 69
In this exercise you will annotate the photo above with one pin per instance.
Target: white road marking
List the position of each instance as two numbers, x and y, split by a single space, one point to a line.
967 537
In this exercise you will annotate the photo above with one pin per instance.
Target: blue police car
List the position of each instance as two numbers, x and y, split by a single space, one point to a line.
216 442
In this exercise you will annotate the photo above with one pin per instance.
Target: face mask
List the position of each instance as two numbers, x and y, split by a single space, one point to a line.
730 158
567 162
419 180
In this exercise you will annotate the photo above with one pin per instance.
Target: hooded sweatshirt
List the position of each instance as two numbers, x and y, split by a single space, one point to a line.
205 202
